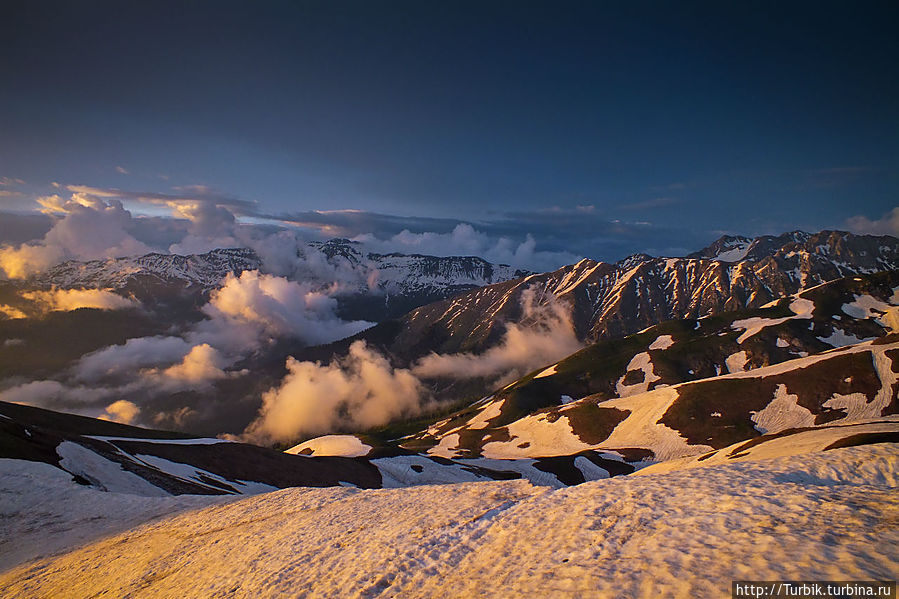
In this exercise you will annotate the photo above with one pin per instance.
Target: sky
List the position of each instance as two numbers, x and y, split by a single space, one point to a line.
600 129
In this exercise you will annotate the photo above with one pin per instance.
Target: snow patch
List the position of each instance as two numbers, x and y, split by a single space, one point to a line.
196 475
662 342
641 361
488 413
865 306
801 308
544 438
839 338
409 470
548 372
447 448
104 474
737 362
782 413
196 441
642 425
348 446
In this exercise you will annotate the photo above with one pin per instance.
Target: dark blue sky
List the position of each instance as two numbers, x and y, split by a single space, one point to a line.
673 121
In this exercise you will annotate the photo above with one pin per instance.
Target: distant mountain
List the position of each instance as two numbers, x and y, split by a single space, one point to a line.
373 286
201 270
612 300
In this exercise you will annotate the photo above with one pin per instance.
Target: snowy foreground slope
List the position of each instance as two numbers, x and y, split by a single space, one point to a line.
824 515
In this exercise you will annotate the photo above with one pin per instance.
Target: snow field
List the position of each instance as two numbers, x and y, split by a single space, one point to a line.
808 517
42 511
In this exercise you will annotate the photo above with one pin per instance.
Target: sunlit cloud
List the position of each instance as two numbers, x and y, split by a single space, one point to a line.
122 411
87 228
65 300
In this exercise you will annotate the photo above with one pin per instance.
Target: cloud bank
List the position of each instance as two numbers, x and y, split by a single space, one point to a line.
92 223
359 391
363 390
86 228
256 308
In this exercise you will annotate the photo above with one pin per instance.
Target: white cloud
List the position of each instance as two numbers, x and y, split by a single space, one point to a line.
465 240
142 352
211 226
359 391
363 390
256 307
88 228
201 365
48 393
544 335
888 224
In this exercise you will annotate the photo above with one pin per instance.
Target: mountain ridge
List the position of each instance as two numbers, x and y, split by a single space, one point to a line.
614 299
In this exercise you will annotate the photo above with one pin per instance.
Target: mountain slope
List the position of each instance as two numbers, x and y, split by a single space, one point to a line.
808 517
828 346
612 300
117 457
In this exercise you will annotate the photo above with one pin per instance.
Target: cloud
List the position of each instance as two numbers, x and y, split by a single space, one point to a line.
505 240
247 312
122 411
27 259
202 219
211 215
465 240
253 308
202 364
544 335
211 226
50 394
362 390
359 391
88 228
888 224
11 311
154 365
185 196
141 352
65 300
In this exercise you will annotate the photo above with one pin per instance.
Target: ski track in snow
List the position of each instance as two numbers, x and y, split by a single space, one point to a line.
687 533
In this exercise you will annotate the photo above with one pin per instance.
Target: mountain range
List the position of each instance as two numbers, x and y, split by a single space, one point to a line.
746 338
372 286
609 300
